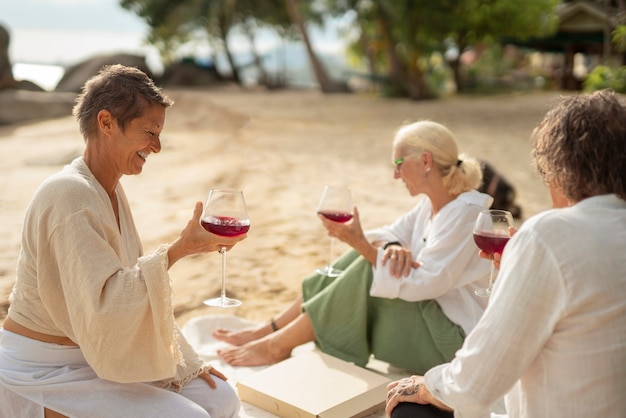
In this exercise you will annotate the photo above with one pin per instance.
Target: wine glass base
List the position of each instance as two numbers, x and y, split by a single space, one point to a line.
483 293
329 271
222 302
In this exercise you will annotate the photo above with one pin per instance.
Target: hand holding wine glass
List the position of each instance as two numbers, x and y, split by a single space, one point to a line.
336 205
491 233
495 257
225 214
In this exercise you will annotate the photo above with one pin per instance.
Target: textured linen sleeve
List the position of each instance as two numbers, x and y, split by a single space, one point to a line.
528 299
444 257
121 317
192 366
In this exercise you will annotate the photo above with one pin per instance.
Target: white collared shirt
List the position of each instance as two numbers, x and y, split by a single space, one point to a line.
450 268
554 333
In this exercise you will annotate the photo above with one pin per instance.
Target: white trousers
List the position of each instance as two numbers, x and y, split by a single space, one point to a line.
34 375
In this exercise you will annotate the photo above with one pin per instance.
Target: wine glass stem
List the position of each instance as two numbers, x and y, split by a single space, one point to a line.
491 277
330 254
223 293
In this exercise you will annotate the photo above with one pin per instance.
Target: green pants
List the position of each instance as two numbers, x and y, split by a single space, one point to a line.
352 325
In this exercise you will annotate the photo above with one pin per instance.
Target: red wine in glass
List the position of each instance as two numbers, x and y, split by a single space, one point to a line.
226 226
342 217
491 233
336 205
225 214
491 242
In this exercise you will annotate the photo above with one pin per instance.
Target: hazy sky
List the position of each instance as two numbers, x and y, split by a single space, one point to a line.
65 32
104 15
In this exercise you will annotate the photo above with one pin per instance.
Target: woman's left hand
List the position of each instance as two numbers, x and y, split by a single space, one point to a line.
410 389
206 376
400 261
404 390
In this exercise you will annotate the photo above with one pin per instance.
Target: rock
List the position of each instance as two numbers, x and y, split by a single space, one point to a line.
188 74
28 85
76 75
18 106
6 71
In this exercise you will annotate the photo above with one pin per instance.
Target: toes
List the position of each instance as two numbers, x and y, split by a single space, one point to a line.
220 333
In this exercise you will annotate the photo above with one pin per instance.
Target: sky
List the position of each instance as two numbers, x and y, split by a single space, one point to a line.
104 15
62 33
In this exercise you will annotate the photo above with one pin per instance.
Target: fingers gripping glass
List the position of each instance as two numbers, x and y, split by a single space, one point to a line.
336 205
491 233
225 214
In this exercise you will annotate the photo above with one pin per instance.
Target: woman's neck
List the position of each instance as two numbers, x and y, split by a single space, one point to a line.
439 200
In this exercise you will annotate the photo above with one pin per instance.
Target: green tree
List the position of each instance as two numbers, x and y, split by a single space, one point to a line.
492 20
174 22
398 36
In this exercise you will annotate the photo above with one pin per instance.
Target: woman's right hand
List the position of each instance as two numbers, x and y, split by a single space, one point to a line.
495 258
194 239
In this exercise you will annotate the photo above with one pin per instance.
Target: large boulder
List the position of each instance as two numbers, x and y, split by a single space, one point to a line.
189 74
18 106
75 76
6 71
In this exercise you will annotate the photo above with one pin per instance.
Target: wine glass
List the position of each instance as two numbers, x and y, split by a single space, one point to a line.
336 205
225 214
491 233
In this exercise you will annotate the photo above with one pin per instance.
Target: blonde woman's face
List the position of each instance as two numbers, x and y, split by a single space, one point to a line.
408 168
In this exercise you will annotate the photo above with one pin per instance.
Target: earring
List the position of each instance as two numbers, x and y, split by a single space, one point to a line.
426 172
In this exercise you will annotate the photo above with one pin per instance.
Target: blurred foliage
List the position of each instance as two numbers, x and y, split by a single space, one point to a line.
401 42
618 38
607 76
603 77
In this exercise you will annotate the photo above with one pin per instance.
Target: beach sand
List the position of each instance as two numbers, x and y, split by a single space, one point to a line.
280 148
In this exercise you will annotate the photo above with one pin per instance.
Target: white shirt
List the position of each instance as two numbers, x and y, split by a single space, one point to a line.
554 333
450 268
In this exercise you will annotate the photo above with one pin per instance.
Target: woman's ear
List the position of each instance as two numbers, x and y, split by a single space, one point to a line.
427 159
105 121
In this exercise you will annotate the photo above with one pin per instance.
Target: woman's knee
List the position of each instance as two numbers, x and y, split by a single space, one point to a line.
221 402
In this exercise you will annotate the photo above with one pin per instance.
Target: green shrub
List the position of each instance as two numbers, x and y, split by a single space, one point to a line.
605 77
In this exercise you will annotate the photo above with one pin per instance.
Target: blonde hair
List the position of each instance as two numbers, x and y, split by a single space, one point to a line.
461 173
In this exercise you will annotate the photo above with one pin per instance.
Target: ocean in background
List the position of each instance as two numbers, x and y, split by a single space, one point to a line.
41 56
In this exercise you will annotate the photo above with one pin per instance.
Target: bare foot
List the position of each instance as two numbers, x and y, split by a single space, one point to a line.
241 337
256 353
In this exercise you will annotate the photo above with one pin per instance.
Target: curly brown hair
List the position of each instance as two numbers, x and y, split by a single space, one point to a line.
580 146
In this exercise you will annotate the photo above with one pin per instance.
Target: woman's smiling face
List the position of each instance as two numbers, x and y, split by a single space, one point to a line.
139 140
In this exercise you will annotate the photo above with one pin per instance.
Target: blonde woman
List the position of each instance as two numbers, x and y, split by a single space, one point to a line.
406 294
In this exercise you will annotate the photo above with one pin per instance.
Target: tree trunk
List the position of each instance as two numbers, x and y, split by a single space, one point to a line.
418 89
455 64
397 73
263 79
370 55
223 34
326 85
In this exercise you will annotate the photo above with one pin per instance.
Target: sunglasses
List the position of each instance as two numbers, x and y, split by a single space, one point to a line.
397 163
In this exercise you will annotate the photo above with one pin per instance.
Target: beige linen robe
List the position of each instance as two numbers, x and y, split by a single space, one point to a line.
80 275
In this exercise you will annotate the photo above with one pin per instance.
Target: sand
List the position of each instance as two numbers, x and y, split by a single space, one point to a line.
280 148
